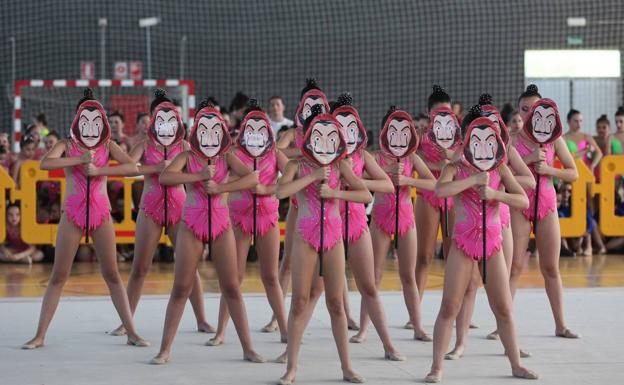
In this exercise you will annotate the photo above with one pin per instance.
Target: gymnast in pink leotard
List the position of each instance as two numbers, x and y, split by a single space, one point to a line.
472 180
523 176
358 243
204 170
164 141
440 139
290 144
85 158
323 148
399 140
256 149
538 144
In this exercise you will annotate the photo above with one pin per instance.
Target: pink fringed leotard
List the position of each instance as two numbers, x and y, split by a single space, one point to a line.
195 212
432 154
548 196
308 220
75 205
468 230
384 208
152 201
299 145
357 211
241 202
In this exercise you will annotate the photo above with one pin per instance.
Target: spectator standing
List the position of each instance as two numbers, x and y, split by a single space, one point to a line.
276 114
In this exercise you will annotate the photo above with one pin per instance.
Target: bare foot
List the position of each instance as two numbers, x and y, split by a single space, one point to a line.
137 341
205 327
408 325
352 377
421 335
434 377
358 338
254 357
35 343
455 354
271 327
394 356
588 252
282 359
160 359
522 372
120 331
352 325
493 336
214 341
567 333
287 379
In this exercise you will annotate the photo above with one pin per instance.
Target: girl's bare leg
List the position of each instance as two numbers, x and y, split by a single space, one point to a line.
268 253
427 221
197 293
352 325
381 244
284 271
334 278
521 229
407 266
457 276
549 248
304 268
67 240
104 245
462 322
499 297
243 242
146 240
362 265
188 251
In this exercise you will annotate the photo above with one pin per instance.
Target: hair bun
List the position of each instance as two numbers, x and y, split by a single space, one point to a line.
316 110
252 103
206 103
437 89
345 99
485 99
475 110
159 93
532 88
311 83
88 93
391 109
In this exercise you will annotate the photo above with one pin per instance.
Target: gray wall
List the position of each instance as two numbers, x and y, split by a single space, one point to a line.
384 52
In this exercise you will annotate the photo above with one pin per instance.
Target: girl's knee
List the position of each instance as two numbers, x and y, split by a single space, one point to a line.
334 306
298 305
550 270
449 309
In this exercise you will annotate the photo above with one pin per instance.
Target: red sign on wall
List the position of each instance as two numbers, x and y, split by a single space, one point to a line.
87 70
121 70
136 70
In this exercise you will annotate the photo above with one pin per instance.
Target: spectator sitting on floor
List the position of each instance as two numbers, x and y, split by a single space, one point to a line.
564 210
14 249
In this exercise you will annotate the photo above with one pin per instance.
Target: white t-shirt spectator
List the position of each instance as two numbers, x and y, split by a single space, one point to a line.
275 126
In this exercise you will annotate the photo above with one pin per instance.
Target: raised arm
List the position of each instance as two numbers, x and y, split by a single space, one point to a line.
569 173
284 144
447 187
173 174
425 180
522 172
513 195
287 185
126 166
377 180
54 158
357 192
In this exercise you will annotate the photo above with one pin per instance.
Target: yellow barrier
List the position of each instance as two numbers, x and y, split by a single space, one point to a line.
43 233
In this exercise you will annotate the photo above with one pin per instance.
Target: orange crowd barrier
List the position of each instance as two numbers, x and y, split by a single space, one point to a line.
33 232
